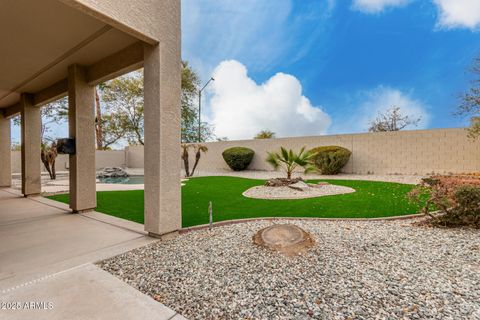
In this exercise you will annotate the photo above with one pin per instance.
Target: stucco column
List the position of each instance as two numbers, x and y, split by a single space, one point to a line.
5 153
81 127
162 136
31 124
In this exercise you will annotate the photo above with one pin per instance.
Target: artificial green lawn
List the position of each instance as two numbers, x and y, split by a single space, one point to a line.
371 200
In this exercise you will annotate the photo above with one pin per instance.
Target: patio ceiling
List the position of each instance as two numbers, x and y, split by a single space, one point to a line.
40 39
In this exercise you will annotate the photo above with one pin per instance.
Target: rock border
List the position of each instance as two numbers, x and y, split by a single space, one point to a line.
246 220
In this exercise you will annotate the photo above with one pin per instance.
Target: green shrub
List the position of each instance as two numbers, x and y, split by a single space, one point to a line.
238 158
330 159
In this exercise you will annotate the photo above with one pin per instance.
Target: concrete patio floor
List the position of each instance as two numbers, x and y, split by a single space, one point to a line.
47 255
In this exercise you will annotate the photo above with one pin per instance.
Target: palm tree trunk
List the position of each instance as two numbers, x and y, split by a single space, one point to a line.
98 125
54 173
185 162
197 159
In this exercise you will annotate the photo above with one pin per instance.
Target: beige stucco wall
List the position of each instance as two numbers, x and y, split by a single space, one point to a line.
108 158
124 15
134 156
405 152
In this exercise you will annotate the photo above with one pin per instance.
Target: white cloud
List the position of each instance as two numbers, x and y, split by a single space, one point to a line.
240 107
458 13
382 98
377 6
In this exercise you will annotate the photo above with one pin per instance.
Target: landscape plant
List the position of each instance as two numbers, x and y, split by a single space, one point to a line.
238 158
330 159
265 134
289 160
48 156
198 149
456 200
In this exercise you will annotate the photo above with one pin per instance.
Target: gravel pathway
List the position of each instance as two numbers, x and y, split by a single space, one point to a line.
356 270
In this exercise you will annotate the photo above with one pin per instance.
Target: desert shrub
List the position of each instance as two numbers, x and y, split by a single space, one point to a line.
456 199
330 159
238 158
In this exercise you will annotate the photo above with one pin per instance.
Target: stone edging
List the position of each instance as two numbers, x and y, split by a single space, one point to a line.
236 221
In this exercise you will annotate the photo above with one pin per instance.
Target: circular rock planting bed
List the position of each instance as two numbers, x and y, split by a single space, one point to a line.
296 191
354 270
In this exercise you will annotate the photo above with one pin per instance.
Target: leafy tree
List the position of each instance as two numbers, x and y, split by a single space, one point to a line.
123 112
265 134
470 101
392 120
123 99
289 160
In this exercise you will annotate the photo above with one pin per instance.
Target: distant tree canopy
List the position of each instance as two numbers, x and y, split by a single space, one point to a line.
122 114
265 134
123 107
119 111
392 120
470 101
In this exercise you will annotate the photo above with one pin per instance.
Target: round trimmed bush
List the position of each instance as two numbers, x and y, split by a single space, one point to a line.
330 159
238 158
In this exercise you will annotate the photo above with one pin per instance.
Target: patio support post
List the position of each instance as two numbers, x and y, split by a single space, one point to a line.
31 124
5 152
162 67
81 127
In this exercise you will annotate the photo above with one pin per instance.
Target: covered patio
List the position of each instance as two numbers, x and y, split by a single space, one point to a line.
57 48
48 259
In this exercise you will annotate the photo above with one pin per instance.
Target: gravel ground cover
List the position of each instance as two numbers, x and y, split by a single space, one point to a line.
356 270
273 193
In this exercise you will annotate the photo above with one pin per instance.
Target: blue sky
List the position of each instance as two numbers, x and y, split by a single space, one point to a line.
351 59
309 67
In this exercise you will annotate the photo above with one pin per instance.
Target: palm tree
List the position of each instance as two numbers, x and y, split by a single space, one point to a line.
265 134
198 149
48 155
290 160
185 147
198 152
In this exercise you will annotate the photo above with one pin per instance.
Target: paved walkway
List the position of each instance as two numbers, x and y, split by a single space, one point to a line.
47 257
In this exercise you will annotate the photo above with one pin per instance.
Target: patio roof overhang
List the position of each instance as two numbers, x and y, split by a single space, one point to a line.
40 39
51 48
